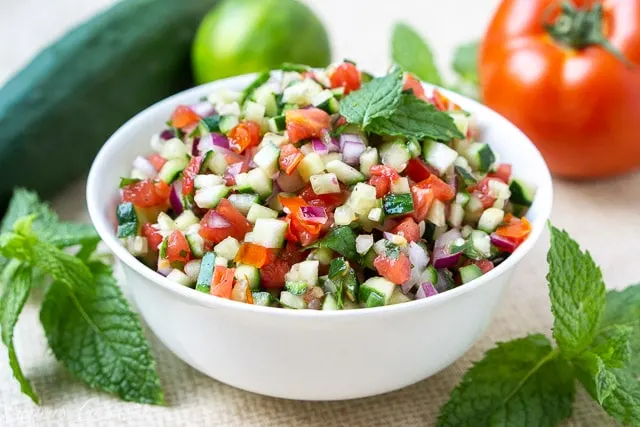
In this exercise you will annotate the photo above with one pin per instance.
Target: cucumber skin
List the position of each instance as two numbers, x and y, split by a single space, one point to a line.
57 112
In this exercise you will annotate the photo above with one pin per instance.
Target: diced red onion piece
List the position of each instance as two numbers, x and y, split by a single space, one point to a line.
445 260
203 109
452 180
319 146
219 140
331 143
503 243
314 214
144 166
426 290
418 256
346 137
351 151
166 134
175 197
290 183
217 221
274 192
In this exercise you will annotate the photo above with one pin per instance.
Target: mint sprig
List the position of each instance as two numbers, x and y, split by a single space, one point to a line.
88 322
413 54
528 382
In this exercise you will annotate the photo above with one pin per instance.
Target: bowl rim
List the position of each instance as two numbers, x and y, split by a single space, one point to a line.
544 196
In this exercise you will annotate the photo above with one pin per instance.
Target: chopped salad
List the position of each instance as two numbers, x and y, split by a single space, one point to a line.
322 189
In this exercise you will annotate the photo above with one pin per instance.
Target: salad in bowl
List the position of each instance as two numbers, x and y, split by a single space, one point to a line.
322 189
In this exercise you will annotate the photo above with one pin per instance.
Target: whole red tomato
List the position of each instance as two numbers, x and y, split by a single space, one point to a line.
568 75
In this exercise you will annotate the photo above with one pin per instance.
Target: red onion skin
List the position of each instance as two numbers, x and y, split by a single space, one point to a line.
319 146
220 140
442 260
315 214
426 290
195 146
166 134
351 152
175 198
441 256
503 243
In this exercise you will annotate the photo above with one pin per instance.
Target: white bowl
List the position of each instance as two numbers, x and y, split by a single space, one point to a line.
307 354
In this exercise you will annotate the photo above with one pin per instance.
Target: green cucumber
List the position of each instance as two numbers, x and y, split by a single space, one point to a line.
127 220
227 123
269 232
439 155
344 172
262 298
376 292
106 68
250 274
208 264
277 124
522 193
267 158
243 202
398 204
395 155
480 156
257 211
469 273
172 169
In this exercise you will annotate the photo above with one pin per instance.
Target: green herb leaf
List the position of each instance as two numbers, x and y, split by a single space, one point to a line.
24 245
577 294
126 181
520 382
465 61
411 52
259 81
624 402
623 308
612 345
594 375
15 293
296 68
343 278
99 339
378 98
341 239
415 118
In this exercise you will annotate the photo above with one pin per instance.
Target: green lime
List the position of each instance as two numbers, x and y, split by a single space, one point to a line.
244 36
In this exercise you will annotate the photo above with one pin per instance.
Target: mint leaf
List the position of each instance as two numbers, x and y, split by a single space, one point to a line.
14 295
99 339
411 52
61 266
623 308
624 402
465 61
417 119
340 239
612 345
577 294
377 98
520 382
67 234
594 375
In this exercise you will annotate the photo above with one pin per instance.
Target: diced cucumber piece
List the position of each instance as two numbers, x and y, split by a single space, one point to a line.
225 96
138 174
414 148
127 220
400 185
250 274
264 96
289 300
437 213
262 298
499 189
462 198
207 265
375 215
481 242
522 193
243 202
172 169
480 156
490 219
254 112
376 292
185 220
242 183
269 232
311 164
231 109
325 101
222 261
228 248
397 297
439 155
277 124
398 204
227 123
135 245
196 242
456 215
209 125
345 173
364 242
323 255
344 215
209 180
192 269
473 209
325 183
367 159
297 287
326 158
362 199
274 139
301 93
307 148
330 302
179 277
469 272
209 197
174 149
260 182
267 158
461 120
216 163
165 223
305 271
395 155
338 92
257 211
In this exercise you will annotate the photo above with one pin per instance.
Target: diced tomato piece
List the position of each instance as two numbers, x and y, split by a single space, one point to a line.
189 173
154 238
418 170
481 191
410 82
409 229
147 193
210 231
293 253
291 204
307 123
396 270
178 250
238 222
183 117
252 254
327 201
386 171
222 281
290 156
422 200
244 135
346 75
503 173
157 161
515 229
443 103
485 265
382 184
441 190
272 275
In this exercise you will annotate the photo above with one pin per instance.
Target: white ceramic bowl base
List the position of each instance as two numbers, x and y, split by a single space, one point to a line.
310 355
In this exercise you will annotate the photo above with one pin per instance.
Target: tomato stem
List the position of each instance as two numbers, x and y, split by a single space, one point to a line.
581 28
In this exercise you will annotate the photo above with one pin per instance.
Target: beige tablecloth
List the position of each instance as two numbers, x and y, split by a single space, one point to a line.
603 216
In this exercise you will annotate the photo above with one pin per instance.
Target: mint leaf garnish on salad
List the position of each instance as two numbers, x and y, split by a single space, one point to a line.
87 320
529 382
413 54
